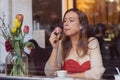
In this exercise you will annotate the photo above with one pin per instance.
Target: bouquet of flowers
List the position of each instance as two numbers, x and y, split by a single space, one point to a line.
14 37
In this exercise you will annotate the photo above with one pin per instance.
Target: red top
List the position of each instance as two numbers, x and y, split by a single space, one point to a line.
73 66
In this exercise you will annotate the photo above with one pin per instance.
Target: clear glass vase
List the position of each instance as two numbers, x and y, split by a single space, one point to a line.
18 66
25 64
9 62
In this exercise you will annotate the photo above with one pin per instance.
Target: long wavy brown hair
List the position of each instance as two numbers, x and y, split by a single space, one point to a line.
83 36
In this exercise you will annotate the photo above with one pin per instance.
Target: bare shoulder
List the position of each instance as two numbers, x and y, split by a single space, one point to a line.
93 42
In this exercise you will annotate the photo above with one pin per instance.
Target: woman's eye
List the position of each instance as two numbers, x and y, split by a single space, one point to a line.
64 21
68 21
71 20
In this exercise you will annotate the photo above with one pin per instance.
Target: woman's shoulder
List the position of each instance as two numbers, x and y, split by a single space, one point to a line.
91 38
92 42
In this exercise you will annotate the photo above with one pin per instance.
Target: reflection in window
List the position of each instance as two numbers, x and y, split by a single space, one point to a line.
105 11
45 13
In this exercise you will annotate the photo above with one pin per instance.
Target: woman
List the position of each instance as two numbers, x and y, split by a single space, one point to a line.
76 52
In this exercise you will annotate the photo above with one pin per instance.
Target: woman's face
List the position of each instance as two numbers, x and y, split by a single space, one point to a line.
71 24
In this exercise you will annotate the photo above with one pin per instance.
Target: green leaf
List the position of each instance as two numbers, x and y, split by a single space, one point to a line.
4 35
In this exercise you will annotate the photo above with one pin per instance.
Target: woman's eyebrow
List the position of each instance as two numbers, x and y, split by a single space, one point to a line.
69 18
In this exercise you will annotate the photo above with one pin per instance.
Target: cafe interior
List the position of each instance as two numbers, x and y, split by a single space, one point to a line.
42 16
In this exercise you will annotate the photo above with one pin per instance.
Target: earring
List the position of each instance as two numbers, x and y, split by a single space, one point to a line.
80 27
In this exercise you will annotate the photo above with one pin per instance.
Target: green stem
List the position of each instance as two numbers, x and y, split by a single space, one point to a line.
17 47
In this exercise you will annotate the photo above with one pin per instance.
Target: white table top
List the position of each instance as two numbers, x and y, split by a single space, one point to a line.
3 76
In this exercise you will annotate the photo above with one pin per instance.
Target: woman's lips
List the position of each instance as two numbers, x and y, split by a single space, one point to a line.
66 29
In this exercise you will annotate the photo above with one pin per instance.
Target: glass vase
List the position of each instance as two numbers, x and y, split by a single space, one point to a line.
19 65
9 62
25 64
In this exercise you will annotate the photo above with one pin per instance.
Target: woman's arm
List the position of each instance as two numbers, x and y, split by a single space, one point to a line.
97 68
77 75
52 64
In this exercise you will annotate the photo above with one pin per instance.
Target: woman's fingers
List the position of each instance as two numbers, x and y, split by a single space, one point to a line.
54 37
57 30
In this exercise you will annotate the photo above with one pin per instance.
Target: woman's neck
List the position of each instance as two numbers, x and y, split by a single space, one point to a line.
74 41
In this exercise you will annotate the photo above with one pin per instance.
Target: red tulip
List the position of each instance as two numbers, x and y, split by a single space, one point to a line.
8 46
26 29
20 17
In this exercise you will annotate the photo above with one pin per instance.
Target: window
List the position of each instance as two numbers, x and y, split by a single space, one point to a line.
104 11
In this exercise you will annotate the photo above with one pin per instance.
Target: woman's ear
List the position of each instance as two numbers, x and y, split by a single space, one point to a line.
81 27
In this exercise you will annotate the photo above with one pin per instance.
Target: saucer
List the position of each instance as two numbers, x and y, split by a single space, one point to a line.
63 78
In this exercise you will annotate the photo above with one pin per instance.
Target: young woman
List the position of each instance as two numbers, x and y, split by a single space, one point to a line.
76 52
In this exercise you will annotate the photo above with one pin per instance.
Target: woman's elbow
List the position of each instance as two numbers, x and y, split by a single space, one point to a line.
96 74
49 71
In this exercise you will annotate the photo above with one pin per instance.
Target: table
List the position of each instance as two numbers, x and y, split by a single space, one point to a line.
4 77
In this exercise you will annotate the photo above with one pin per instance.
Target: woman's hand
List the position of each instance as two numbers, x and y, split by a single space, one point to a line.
54 38
76 75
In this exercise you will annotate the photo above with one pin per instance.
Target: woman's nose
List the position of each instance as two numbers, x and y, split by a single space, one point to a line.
66 23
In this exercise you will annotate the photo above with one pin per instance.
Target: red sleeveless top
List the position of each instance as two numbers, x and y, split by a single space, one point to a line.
73 66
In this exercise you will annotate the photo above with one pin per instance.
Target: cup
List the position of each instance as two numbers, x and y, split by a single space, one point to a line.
61 73
117 77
